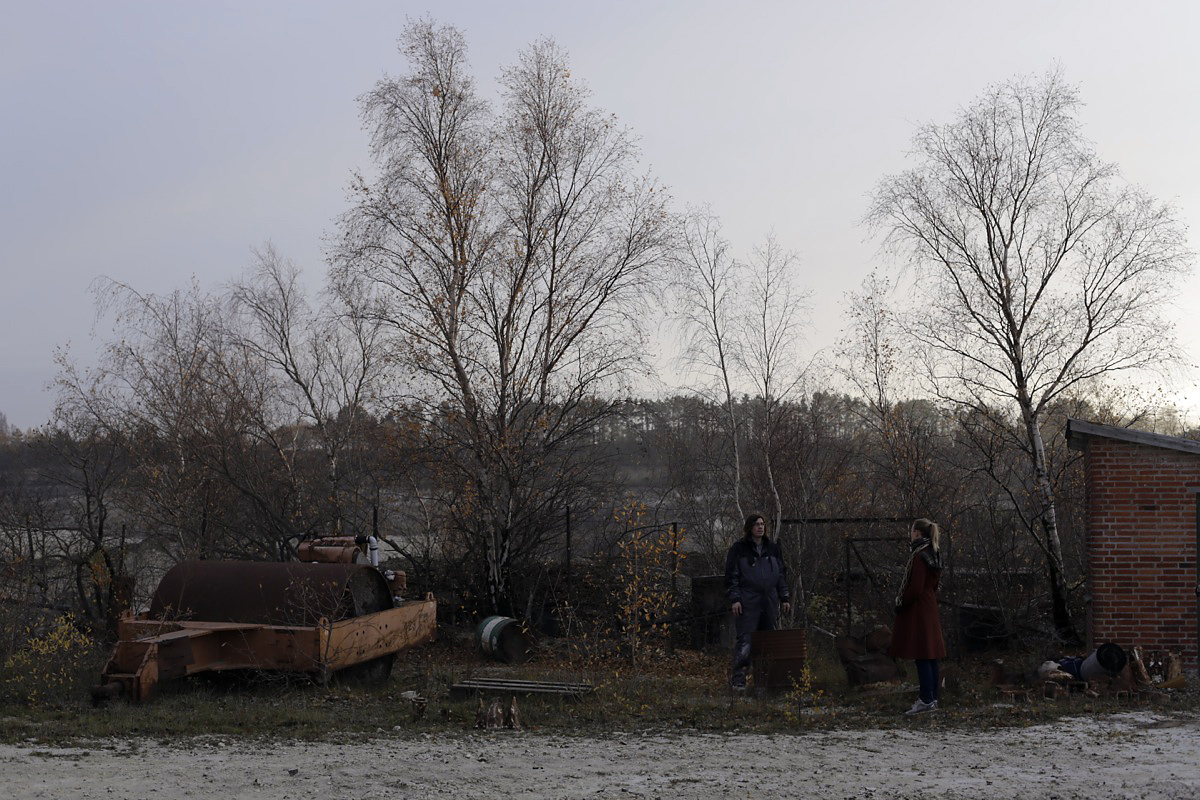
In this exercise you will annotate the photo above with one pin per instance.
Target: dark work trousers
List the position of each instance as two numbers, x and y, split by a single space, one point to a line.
927 678
758 614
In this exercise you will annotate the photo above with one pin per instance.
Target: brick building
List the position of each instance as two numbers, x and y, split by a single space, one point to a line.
1143 532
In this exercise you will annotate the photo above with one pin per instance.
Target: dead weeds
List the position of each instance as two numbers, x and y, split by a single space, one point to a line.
683 690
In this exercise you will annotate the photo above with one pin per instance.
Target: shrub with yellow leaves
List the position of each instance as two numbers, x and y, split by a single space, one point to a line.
51 667
650 562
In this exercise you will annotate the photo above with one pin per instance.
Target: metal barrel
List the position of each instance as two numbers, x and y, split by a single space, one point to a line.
1108 659
504 639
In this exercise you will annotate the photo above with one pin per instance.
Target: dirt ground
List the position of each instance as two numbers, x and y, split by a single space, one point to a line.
1131 755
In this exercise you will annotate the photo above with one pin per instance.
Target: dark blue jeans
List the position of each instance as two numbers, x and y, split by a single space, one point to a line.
757 615
927 677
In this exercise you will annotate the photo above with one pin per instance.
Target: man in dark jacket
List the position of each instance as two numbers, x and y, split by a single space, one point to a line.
756 584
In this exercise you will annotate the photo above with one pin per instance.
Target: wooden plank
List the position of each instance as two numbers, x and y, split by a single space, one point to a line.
517 686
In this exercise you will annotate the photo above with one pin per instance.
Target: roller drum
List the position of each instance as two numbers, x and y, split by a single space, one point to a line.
269 593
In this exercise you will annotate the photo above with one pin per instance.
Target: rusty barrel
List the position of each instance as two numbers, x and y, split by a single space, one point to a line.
778 658
504 639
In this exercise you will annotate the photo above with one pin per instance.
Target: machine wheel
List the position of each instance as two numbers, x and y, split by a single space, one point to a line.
363 597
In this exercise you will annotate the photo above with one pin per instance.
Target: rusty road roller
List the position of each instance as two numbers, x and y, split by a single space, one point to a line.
332 612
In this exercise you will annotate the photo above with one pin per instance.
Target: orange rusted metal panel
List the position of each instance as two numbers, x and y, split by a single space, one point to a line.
309 618
182 648
353 641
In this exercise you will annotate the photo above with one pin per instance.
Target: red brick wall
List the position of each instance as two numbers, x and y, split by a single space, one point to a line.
1141 524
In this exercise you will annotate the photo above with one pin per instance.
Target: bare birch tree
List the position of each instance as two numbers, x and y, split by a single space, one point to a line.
771 330
706 280
506 255
874 360
869 354
327 363
219 462
153 390
1038 270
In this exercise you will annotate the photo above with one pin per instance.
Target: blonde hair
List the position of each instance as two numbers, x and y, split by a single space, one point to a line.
930 529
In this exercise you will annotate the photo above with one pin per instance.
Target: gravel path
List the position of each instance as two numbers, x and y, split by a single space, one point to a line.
1134 755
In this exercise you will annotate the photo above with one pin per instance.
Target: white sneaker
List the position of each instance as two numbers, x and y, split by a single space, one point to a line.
920 707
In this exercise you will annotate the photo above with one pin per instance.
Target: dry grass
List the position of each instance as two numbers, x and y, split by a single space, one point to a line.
670 691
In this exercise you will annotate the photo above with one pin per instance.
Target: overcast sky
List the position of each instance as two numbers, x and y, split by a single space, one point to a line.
154 142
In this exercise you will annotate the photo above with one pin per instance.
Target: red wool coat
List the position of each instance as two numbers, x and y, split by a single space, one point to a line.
917 632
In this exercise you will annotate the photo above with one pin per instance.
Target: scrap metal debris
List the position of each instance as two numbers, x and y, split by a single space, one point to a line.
418 702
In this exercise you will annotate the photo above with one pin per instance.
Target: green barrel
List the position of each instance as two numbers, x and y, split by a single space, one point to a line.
504 639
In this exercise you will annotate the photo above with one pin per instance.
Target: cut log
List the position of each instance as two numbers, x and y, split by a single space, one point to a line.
490 715
1138 667
1173 667
512 718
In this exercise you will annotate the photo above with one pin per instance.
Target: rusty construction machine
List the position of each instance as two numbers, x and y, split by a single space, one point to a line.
333 611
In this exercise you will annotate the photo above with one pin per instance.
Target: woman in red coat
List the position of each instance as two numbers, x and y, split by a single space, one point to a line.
917 633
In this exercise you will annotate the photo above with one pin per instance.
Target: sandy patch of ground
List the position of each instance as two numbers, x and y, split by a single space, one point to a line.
1133 755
